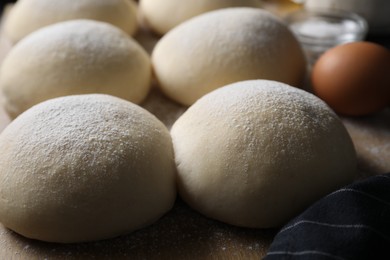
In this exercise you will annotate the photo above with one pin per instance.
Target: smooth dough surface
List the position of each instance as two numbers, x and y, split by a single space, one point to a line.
27 16
163 15
86 167
256 153
74 57
223 47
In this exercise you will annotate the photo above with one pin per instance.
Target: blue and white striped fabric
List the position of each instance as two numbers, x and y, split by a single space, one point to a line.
350 223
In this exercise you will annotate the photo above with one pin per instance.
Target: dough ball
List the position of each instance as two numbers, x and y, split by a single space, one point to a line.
83 168
74 57
29 15
226 46
159 14
256 153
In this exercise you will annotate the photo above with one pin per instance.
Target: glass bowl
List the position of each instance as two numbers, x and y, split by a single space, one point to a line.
319 31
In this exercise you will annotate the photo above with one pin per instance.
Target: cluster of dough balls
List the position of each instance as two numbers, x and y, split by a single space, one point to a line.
93 166
163 15
256 153
85 167
226 46
198 56
27 16
74 57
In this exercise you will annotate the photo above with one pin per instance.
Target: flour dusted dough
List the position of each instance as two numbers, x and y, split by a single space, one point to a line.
226 46
27 16
83 168
74 57
256 153
163 15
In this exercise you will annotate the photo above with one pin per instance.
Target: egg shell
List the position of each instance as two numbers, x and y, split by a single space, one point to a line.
353 78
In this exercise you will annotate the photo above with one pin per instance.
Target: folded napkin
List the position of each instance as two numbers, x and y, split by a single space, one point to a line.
350 223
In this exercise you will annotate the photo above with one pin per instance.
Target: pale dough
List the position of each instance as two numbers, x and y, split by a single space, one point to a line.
27 16
74 57
163 15
86 167
256 153
226 46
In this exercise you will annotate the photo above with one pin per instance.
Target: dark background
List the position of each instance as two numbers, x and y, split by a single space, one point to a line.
4 2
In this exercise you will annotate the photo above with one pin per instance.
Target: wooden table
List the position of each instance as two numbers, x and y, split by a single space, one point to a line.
184 233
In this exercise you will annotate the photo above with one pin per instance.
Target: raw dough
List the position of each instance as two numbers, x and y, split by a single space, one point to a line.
226 46
83 168
27 16
163 15
256 153
74 57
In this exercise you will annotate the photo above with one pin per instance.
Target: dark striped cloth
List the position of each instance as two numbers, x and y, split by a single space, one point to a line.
350 223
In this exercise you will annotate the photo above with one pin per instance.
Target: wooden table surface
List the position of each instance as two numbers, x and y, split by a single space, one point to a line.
184 233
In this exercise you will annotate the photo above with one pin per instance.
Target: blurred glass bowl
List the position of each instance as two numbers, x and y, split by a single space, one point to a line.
319 31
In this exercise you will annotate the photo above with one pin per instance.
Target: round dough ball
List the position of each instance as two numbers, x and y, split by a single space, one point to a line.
74 57
86 167
158 14
27 16
256 153
226 46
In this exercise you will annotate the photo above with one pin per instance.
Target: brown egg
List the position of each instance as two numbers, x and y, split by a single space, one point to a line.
353 78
